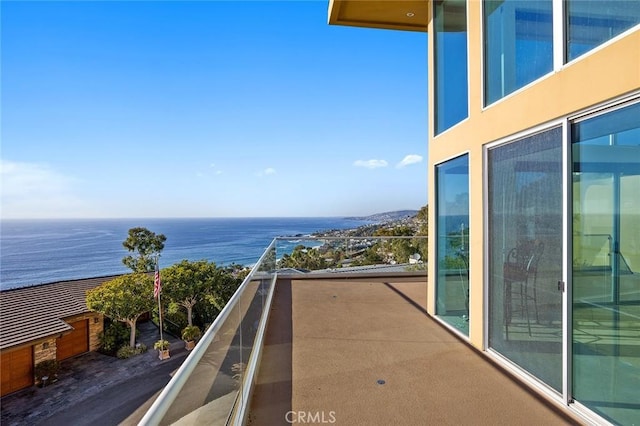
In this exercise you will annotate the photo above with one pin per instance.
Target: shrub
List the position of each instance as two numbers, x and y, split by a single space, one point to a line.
190 333
161 345
174 319
127 351
115 335
47 368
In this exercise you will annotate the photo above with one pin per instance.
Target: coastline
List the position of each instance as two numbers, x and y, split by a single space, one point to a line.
68 250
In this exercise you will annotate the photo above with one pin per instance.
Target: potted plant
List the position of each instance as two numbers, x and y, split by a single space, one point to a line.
162 347
46 372
190 334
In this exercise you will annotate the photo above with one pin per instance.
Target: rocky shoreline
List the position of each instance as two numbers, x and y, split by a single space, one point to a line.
385 222
373 246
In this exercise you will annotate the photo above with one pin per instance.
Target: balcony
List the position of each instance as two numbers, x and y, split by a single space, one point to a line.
343 345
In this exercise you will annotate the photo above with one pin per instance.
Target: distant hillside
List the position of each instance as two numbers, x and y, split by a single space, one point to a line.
388 216
380 222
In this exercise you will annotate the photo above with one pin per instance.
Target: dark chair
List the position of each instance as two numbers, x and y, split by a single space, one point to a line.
520 272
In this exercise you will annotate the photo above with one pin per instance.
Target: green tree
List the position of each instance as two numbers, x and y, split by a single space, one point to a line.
402 249
422 244
187 283
304 258
422 217
371 256
396 249
124 299
224 286
337 255
145 245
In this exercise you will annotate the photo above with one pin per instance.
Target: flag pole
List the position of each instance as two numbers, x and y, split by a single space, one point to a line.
158 289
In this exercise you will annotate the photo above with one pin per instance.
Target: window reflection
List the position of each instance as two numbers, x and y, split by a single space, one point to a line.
452 304
451 63
518 38
525 253
606 263
591 23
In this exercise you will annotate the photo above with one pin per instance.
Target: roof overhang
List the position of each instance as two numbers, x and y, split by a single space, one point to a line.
407 15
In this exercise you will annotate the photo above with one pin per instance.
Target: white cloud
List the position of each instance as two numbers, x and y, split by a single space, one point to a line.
266 172
31 190
216 171
370 164
409 159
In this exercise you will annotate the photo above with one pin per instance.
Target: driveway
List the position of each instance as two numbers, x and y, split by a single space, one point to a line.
97 389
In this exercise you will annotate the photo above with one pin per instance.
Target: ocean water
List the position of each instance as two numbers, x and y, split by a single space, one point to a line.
42 251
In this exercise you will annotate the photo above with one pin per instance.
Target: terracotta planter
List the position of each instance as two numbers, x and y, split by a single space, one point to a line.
190 345
163 354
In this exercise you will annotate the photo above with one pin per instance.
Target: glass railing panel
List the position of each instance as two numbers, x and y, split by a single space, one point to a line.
209 387
251 307
209 393
213 384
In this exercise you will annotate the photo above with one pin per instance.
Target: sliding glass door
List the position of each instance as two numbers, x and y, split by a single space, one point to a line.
606 263
525 243
530 251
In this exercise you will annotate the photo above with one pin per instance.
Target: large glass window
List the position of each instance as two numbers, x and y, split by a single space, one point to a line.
450 39
525 253
591 23
518 45
606 264
452 212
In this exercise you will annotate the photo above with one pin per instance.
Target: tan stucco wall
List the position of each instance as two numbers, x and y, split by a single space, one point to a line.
604 74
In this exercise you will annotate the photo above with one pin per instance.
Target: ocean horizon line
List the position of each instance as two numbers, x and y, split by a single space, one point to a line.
187 218
38 251
337 216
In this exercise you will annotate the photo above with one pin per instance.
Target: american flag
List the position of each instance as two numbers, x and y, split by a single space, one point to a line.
157 286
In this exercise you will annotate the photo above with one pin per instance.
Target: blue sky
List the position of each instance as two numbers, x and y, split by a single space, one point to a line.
207 109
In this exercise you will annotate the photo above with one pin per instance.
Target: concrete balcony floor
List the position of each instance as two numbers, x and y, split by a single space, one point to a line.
365 352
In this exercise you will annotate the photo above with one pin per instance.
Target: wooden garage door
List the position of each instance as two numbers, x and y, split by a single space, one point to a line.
16 369
74 343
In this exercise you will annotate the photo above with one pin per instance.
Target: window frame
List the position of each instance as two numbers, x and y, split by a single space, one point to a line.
434 133
566 397
467 154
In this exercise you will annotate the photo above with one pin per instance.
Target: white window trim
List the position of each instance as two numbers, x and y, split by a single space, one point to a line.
559 34
466 153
